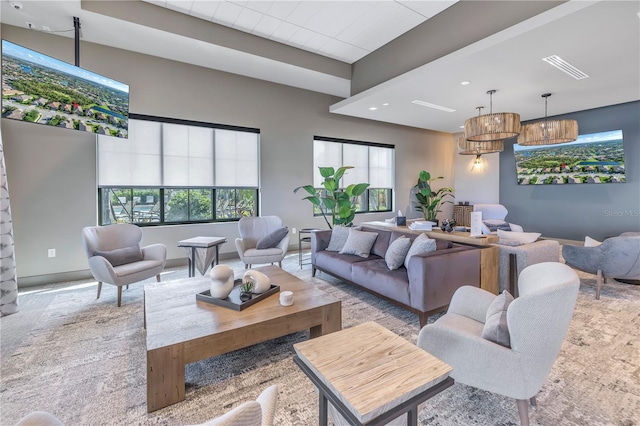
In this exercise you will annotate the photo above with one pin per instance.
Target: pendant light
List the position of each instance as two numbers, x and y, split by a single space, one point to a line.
548 132
466 147
493 126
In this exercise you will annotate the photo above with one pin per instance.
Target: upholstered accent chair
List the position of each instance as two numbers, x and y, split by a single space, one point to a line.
260 412
616 257
115 256
252 230
537 323
494 214
39 418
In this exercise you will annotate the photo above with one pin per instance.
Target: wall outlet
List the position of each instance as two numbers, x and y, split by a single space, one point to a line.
294 230
51 252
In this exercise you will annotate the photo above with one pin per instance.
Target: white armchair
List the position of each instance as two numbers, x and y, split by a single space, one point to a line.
537 323
493 215
260 412
253 229
115 256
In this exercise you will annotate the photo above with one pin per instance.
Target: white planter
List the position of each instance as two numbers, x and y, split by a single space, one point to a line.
221 281
262 282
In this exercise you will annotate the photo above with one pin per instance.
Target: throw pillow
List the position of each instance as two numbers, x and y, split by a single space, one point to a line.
359 243
272 239
339 235
397 252
122 256
421 245
590 242
496 328
523 237
512 243
494 225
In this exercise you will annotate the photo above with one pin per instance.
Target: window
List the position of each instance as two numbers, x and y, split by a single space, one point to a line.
177 171
372 163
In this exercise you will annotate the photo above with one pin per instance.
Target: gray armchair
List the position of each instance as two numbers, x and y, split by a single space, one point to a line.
115 256
616 257
252 229
537 323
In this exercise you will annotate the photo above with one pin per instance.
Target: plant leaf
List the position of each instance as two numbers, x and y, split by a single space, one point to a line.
326 172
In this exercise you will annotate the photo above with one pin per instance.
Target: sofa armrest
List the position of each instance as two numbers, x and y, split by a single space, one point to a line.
434 277
319 242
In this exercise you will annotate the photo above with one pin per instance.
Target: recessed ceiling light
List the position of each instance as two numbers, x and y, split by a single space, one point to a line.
465 83
373 108
434 106
385 104
16 5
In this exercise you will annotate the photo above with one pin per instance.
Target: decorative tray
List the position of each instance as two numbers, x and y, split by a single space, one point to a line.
233 300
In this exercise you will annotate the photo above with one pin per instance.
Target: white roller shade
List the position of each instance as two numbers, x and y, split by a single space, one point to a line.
381 167
358 157
325 154
236 161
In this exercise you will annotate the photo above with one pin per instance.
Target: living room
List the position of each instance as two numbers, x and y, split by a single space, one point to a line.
52 172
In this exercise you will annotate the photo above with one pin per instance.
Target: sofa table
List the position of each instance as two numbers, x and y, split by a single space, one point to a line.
181 330
370 374
206 256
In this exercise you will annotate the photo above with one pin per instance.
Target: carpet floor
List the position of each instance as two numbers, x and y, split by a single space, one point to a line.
84 361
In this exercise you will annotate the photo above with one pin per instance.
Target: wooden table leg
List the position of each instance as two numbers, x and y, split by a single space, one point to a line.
331 321
165 377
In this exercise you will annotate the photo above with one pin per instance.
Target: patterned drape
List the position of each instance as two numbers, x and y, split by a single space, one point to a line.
8 276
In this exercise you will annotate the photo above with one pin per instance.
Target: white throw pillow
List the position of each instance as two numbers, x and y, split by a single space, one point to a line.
523 237
590 242
339 235
397 252
421 245
359 243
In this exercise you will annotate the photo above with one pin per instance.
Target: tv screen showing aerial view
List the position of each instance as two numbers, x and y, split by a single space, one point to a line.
37 88
592 158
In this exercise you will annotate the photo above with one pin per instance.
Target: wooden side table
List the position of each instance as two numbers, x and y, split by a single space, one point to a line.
207 244
370 374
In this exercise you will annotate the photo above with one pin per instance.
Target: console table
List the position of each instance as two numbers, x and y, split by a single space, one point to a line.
370 375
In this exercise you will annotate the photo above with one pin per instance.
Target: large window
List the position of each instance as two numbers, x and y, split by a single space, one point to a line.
176 171
372 163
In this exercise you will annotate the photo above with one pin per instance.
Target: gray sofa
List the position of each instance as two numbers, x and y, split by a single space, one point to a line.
425 287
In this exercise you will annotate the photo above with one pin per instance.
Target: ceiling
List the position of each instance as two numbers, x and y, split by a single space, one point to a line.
311 44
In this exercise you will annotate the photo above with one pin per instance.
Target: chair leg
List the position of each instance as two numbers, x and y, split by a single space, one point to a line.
119 295
158 278
127 286
523 411
313 271
533 402
280 264
423 317
246 266
99 289
599 284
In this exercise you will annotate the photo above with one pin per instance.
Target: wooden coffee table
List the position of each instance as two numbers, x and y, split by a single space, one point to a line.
370 374
181 330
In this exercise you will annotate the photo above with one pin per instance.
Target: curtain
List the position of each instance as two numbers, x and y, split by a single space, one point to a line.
8 277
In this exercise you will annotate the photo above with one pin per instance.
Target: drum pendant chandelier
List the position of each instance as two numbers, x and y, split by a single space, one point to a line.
548 132
466 147
493 126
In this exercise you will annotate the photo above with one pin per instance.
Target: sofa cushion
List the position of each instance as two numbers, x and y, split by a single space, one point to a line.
338 264
496 328
376 276
591 242
523 237
359 243
339 235
421 245
382 242
272 239
396 253
122 256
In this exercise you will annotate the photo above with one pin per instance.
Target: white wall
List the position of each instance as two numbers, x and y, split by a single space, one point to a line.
477 185
52 172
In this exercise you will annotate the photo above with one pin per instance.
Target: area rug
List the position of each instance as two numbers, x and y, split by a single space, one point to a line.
84 361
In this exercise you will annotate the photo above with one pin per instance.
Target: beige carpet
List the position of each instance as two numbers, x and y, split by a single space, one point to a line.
83 360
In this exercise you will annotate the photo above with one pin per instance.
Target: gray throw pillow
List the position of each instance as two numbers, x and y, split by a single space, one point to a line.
397 252
122 256
339 235
421 245
272 239
495 325
359 243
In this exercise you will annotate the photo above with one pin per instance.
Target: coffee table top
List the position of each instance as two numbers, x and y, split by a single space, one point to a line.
370 368
173 315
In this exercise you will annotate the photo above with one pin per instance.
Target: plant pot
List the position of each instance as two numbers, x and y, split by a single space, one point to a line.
245 296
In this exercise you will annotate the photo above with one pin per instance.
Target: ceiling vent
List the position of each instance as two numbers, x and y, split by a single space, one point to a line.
434 106
565 67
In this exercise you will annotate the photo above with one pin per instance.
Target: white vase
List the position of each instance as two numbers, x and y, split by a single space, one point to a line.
221 281
262 282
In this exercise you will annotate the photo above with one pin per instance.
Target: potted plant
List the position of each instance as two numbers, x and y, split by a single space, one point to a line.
429 201
246 287
338 202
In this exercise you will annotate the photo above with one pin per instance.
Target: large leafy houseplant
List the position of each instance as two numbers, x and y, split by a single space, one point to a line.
429 201
339 203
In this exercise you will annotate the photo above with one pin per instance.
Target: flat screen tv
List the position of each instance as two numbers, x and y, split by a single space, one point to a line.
592 158
40 89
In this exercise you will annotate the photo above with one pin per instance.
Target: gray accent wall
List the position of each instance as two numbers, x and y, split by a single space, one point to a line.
574 211
52 172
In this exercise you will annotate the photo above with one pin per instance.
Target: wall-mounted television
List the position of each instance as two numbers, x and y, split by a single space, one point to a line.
40 89
592 158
